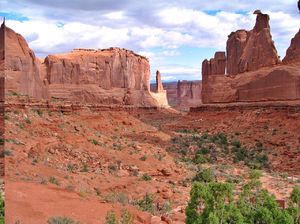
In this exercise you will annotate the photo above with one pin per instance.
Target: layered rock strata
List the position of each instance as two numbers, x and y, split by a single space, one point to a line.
254 71
104 76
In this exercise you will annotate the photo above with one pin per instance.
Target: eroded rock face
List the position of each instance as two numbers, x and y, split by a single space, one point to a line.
293 52
108 68
251 50
2 61
189 93
22 68
108 76
215 66
254 71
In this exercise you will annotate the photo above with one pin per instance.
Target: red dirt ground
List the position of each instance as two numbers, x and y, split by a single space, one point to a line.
86 163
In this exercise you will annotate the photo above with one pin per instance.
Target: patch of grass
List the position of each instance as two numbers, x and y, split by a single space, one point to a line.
146 204
61 220
117 197
27 120
144 158
38 112
146 177
85 168
205 176
93 141
70 168
53 180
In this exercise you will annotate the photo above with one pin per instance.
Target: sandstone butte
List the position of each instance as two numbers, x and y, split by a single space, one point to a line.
103 76
251 70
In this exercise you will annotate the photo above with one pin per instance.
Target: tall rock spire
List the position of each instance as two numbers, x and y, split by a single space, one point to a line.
293 52
251 50
159 85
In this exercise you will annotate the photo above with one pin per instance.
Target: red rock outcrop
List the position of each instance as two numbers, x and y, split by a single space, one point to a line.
104 76
22 67
267 84
254 70
159 85
251 50
2 96
215 66
293 52
189 93
2 60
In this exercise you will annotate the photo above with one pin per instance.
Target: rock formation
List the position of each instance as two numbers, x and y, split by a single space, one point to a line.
22 68
2 60
182 94
189 93
293 52
215 66
254 72
159 85
104 76
251 50
2 97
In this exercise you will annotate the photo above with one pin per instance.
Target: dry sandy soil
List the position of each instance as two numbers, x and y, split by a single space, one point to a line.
83 164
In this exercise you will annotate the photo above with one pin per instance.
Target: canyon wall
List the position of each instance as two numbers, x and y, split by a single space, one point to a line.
22 67
182 94
104 76
253 69
189 93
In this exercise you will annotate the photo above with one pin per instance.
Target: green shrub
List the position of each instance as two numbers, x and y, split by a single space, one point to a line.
111 218
61 220
206 176
93 141
117 197
143 158
2 208
216 203
126 217
53 180
146 204
146 177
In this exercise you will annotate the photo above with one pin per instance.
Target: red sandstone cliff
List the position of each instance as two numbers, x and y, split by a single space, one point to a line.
108 76
189 93
293 52
22 68
254 72
251 50
182 94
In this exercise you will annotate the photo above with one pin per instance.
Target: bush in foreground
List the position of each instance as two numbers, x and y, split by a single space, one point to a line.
214 203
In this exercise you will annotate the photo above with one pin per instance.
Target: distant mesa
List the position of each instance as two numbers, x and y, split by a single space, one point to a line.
99 76
251 70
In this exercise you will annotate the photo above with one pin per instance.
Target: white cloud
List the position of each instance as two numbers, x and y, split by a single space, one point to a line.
145 27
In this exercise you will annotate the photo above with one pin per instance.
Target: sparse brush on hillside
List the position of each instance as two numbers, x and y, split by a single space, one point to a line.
214 202
205 148
61 220
126 218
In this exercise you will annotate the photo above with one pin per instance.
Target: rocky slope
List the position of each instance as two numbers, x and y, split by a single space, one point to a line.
108 76
254 72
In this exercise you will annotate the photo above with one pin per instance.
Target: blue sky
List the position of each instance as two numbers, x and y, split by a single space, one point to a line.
176 35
